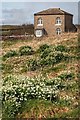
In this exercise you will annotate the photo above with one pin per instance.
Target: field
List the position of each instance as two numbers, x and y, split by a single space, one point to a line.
40 77
8 30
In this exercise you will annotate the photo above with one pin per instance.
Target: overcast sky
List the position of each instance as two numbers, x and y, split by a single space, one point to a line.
23 12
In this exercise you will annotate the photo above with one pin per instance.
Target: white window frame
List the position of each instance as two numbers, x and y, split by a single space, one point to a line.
58 21
40 22
38 33
58 31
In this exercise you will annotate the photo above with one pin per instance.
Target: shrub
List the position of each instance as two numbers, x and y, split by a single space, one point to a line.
43 62
25 50
61 48
32 65
59 57
67 58
45 53
47 61
50 57
11 53
43 47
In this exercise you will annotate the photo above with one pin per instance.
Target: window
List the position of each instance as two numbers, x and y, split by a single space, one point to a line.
58 21
58 31
40 21
39 33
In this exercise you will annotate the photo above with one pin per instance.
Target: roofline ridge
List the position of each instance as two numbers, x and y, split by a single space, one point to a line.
60 10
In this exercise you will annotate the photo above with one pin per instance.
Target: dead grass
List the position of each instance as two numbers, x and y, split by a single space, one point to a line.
36 109
68 39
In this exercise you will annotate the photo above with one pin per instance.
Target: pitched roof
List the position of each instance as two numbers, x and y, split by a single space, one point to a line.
53 11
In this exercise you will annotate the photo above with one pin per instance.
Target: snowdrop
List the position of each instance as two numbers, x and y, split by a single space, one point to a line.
21 89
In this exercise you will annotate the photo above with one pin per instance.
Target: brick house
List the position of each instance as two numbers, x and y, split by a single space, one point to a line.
53 21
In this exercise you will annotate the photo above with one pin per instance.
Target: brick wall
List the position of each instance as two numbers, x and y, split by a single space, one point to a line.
49 23
69 27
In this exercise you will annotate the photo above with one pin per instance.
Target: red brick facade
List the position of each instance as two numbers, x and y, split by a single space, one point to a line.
49 22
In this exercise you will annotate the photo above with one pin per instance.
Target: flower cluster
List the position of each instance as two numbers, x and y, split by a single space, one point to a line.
21 89
16 91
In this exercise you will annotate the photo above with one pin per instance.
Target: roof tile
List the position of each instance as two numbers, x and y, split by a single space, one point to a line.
53 11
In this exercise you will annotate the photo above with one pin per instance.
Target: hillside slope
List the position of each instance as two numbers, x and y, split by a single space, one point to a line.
51 62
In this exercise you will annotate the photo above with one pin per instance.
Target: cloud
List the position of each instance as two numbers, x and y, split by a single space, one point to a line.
20 13
39 0
79 12
13 16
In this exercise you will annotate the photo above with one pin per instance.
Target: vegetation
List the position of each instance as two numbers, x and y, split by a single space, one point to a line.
17 91
25 50
40 78
61 48
11 53
17 30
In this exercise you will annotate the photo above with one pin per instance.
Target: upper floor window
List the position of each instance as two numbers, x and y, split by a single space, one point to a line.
58 21
40 21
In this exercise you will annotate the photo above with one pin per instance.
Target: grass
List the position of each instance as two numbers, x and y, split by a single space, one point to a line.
55 68
38 108
17 65
11 42
20 63
35 108
46 109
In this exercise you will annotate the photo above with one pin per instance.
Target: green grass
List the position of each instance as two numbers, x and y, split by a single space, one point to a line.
73 114
56 68
7 68
35 108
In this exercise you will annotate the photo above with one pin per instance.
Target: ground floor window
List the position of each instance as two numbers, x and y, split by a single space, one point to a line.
38 33
58 31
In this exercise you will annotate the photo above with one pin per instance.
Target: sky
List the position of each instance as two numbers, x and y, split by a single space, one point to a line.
23 12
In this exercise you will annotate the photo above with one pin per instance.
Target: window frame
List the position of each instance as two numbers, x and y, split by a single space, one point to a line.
38 33
58 21
40 22
58 31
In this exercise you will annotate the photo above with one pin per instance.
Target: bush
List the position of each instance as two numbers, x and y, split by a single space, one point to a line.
43 47
50 57
32 65
47 61
45 53
26 50
59 57
67 58
61 48
43 62
11 53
